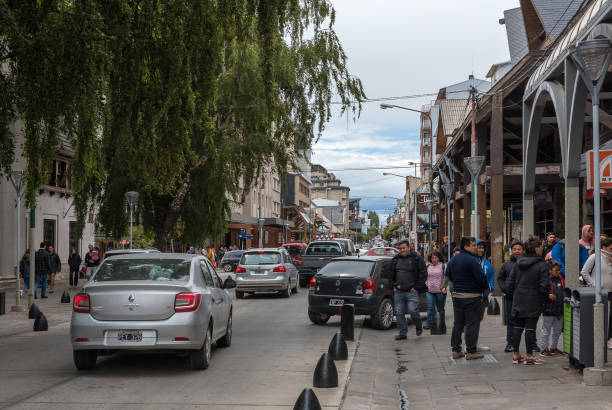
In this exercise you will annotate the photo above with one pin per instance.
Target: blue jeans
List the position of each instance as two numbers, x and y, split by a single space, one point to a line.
41 280
407 302
435 301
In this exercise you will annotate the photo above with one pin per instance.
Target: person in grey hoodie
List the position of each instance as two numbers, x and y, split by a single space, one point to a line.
588 274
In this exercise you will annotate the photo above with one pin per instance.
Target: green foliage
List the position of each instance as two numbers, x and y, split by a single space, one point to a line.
372 231
391 231
374 219
142 237
184 102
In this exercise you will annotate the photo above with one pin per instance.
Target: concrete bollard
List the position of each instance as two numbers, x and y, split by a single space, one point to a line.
347 322
325 374
307 401
34 311
40 324
337 348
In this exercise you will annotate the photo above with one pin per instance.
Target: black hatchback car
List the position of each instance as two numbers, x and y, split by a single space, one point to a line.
360 281
230 260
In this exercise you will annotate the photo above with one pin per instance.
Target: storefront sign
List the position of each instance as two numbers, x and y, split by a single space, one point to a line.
605 169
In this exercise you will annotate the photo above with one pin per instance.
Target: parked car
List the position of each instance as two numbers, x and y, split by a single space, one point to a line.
384 251
296 250
230 260
318 253
266 270
119 251
155 301
361 281
348 245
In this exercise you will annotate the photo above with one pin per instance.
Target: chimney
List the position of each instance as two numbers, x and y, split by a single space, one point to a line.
471 77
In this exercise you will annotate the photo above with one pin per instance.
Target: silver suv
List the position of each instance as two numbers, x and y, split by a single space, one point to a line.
266 270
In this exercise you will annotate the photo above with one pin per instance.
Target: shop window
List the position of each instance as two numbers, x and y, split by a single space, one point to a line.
49 232
59 175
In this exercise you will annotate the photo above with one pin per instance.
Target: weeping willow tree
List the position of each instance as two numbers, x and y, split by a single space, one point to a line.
183 101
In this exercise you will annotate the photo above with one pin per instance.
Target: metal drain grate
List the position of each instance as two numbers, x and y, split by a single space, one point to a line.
488 358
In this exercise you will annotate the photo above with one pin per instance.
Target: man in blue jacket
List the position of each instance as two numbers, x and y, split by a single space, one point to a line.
469 284
558 254
485 264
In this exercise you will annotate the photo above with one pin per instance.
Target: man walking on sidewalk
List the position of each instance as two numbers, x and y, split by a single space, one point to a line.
469 283
56 267
408 275
42 267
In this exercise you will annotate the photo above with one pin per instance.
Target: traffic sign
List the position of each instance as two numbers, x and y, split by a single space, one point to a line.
413 235
242 231
245 236
605 169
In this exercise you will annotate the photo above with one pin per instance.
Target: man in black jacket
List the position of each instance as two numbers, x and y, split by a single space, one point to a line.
408 275
42 267
469 284
516 251
56 267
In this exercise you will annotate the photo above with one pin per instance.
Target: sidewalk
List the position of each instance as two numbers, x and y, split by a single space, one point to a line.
419 373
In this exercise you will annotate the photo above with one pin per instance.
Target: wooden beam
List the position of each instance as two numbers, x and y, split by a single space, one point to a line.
510 170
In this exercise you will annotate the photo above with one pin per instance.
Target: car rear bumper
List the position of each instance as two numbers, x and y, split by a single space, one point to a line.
157 335
261 285
364 305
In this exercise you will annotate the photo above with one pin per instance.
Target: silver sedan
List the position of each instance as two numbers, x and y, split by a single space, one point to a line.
266 270
155 301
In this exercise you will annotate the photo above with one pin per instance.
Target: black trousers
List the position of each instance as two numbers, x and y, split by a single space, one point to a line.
74 276
467 314
528 324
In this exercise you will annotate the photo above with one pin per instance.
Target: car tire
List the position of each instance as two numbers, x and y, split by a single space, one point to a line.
318 318
226 340
85 359
200 359
297 286
239 295
383 318
287 292
227 267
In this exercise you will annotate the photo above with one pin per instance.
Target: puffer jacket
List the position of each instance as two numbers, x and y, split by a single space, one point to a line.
588 271
529 283
555 307
504 274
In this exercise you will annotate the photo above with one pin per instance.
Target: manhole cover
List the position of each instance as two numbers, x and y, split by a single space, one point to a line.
488 358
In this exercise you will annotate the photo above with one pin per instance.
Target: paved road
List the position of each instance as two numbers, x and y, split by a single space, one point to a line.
272 358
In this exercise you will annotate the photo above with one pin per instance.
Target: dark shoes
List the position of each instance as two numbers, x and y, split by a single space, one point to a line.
509 348
44 297
401 337
419 331
426 327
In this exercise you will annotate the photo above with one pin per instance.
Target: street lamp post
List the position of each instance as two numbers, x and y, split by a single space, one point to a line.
448 192
17 181
592 58
132 199
474 165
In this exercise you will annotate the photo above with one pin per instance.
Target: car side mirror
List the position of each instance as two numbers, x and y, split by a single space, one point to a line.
229 283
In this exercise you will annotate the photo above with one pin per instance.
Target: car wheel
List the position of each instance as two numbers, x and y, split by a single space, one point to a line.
226 340
200 359
85 359
318 318
383 319
297 281
239 295
287 292
227 267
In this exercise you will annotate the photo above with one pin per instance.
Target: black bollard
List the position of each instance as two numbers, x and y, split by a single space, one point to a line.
347 322
34 311
40 324
307 401
65 297
337 348
325 374
493 308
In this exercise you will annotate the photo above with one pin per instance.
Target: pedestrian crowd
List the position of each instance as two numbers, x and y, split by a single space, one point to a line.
532 280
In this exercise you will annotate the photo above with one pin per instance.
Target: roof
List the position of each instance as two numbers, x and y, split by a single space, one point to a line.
499 67
362 258
555 14
515 31
320 202
155 255
453 113
462 89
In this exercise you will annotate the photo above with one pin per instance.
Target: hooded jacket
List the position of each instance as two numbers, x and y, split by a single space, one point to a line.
555 307
558 254
486 266
584 241
465 272
588 271
504 274
529 283
415 278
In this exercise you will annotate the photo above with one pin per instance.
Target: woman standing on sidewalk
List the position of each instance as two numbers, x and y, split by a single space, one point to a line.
435 297
530 286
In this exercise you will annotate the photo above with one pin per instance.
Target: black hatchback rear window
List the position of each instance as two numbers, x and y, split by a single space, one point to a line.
359 268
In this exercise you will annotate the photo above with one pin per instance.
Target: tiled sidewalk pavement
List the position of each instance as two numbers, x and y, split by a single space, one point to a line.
419 373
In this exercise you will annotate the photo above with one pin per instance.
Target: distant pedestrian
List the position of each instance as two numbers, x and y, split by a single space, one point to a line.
191 250
42 268
24 271
516 251
586 238
445 248
469 285
435 297
92 260
552 317
558 254
408 275
56 267
530 286
74 262
549 243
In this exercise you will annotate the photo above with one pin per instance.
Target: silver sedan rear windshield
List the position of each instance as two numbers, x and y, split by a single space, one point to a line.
144 269
260 258
356 268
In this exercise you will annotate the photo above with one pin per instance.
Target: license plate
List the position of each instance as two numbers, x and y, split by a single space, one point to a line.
336 302
130 336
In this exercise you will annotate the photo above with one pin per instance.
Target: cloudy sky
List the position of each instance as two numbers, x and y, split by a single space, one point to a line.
397 48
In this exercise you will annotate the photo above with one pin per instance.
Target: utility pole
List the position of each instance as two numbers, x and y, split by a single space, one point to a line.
33 249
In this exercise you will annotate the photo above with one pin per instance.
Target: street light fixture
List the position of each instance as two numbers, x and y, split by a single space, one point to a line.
592 58
17 180
474 165
448 192
132 199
